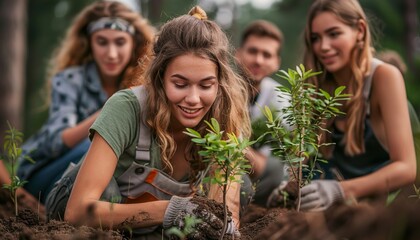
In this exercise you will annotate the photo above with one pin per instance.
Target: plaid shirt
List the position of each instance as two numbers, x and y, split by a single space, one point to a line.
76 94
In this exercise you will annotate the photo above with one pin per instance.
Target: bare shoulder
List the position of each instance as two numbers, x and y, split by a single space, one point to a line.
388 81
387 74
388 88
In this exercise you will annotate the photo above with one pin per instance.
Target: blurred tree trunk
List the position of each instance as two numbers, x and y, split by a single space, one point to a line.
155 10
12 63
410 19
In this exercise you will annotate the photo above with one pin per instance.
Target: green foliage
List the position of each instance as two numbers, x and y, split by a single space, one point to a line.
306 115
189 227
12 141
259 133
225 157
227 154
392 196
286 196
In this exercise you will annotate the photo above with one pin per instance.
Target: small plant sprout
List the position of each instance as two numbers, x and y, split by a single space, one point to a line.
12 151
189 227
416 192
224 154
114 200
306 115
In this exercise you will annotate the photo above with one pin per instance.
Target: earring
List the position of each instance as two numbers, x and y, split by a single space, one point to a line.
360 44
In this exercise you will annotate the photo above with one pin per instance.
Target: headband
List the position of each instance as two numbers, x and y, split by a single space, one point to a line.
110 23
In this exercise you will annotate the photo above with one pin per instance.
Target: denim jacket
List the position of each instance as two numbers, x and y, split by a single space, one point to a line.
76 94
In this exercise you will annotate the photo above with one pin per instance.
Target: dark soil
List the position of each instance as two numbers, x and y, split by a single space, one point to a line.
365 220
31 224
369 219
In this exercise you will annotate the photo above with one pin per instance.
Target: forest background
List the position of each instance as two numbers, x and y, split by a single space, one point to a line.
31 30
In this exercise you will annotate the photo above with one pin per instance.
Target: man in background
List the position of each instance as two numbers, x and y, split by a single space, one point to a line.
259 56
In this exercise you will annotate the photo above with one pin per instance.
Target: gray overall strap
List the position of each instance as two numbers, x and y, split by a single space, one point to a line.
144 142
368 83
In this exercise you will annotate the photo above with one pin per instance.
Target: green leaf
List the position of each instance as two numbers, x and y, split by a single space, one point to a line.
215 124
326 94
339 90
268 114
192 133
199 140
299 71
29 159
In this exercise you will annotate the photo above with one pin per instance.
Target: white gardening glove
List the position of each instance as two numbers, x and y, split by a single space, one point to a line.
276 196
210 227
320 194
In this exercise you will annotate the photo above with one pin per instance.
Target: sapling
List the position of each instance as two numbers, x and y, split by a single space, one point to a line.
190 223
306 115
12 151
224 154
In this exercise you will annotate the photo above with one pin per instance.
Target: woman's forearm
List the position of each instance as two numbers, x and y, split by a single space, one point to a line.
117 216
4 174
257 161
385 180
74 135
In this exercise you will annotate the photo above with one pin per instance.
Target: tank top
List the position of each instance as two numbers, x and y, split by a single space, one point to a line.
374 157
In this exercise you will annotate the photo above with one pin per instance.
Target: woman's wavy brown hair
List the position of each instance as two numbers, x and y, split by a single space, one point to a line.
75 48
194 34
350 13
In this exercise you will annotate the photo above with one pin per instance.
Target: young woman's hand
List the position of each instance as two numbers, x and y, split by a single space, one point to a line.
321 194
276 195
210 226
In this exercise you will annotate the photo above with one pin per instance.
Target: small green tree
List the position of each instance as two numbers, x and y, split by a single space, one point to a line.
190 223
12 151
306 115
224 154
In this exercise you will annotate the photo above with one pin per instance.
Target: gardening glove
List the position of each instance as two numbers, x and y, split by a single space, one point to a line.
210 226
276 195
321 194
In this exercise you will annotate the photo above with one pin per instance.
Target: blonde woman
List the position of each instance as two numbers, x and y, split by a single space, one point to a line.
374 150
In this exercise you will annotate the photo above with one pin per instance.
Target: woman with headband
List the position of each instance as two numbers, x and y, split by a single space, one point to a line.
97 57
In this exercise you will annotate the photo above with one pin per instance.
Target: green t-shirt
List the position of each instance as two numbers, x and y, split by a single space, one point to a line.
118 124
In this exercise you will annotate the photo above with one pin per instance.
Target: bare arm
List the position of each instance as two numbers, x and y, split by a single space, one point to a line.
73 135
95 173
4 174
22 194
389 96
258 162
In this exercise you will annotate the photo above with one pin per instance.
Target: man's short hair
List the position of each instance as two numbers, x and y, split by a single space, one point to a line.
263 28
392 57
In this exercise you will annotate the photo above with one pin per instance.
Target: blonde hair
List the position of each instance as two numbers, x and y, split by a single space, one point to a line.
75 49
194 34
350 13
